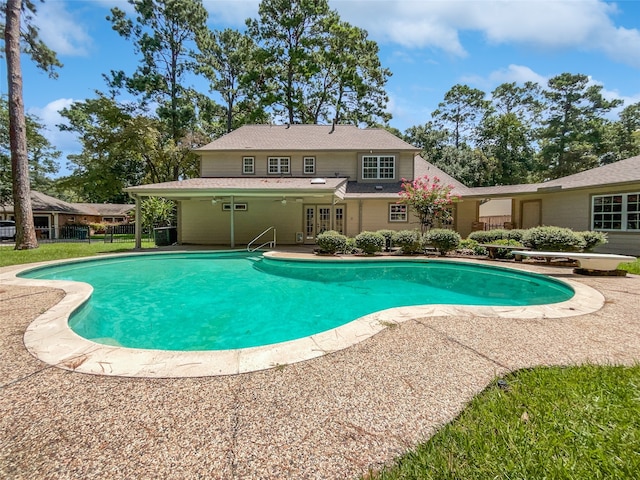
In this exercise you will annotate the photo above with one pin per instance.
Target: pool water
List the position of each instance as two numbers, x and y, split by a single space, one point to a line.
215 301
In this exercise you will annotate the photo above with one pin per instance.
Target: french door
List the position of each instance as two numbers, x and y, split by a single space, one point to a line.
320 218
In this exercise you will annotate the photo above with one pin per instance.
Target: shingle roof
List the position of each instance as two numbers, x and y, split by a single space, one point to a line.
45 203
621 172
106 209
307 138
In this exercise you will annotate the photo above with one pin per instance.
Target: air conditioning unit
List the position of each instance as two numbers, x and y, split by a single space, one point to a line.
299 237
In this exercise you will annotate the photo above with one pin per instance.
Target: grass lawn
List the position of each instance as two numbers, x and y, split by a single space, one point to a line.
631 267
557 423
57 251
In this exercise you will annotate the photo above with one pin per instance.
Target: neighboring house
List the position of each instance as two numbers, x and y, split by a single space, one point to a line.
302 180
50 213
605 199
306 179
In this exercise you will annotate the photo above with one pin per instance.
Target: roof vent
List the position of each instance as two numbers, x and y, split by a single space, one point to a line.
318 181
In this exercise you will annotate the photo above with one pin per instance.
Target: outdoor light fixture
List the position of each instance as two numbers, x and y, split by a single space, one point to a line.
283 201
214 200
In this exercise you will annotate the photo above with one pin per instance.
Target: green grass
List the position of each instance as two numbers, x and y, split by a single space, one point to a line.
57 251
556 423
631 267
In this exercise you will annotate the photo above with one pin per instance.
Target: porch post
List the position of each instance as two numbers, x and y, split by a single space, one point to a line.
233 235
138 223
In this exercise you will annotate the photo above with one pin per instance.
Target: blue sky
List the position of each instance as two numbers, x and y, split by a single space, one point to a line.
429 45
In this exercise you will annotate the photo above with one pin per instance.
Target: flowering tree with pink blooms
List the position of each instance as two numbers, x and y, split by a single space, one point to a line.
430 199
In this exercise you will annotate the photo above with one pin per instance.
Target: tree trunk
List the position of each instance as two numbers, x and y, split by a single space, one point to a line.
25 230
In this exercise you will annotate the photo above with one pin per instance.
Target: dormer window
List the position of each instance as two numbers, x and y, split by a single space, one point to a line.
378 166
279 165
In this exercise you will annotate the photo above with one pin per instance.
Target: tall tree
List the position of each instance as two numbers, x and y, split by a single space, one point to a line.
316 68
459 113
227 59
45 59
572 134
120 148
507 132
163 33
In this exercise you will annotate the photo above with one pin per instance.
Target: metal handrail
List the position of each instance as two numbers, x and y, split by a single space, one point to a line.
271 243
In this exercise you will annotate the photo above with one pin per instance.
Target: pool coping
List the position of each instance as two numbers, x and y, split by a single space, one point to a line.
50 339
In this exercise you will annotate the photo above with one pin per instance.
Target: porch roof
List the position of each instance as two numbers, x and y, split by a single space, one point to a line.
264 187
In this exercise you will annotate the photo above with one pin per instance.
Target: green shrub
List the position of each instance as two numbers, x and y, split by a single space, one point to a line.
98 227
442 239
592 239
488 236
388 238
370 242
506 252
515 234
555 239
408 240
331 242
350 246
470 247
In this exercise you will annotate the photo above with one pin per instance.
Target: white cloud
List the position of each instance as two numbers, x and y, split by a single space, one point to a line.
50 117
60 31
231 12
561 24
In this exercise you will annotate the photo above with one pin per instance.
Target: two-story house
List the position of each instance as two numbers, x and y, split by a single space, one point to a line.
301 180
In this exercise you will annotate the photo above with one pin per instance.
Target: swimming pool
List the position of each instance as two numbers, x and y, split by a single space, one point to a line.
221 301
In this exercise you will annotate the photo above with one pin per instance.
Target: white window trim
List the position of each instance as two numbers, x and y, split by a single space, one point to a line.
238 207
252 164
624 213
398 213
312 165
378 158
282 161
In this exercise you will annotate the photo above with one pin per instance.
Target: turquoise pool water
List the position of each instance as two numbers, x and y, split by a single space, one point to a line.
215 301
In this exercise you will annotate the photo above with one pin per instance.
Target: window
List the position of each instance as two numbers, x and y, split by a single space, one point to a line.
397 213
279 165
238 207
309 165
248 166
378 166
619 212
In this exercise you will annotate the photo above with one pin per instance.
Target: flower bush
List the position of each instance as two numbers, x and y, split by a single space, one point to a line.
370 242
443 240
555 239
408 240
331 242
429 199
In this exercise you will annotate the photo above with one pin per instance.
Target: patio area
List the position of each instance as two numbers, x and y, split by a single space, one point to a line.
336 416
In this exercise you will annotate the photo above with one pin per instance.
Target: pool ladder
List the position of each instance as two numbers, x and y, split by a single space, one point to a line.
270 243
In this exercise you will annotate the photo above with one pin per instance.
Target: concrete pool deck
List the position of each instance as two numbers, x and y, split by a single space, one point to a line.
335 416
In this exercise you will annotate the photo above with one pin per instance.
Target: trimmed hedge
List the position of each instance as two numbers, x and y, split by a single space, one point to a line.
388 238
506 252
331 242
593 239
408 240
471 247
442 239
555 239
370 242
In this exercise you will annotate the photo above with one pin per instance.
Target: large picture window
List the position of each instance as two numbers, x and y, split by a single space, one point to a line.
378 166
619 212
279 165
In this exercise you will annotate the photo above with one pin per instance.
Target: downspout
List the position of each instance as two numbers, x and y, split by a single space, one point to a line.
359 216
